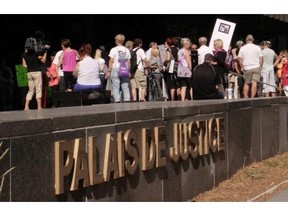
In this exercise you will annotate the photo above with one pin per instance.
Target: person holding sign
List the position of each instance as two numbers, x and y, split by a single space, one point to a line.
219 63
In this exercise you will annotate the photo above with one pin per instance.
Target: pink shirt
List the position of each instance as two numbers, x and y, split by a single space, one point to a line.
69 60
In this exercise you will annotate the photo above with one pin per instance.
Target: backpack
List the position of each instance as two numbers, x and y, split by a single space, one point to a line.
123 70
172 66
133 61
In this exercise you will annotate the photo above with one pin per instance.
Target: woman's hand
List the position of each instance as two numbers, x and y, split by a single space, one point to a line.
107 75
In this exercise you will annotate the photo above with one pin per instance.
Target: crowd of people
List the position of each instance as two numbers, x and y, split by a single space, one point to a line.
178 68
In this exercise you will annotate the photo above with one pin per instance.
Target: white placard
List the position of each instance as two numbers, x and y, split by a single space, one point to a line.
222 30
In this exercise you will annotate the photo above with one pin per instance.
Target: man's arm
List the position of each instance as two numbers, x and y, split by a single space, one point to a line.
237 69
261 62
147 63
241 63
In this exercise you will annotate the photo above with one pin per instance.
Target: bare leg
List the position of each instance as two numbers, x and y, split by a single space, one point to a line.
178 93
172 94
267 94
27 104
273 94
143 93
245 90
134 94
253 89
183 93
39 103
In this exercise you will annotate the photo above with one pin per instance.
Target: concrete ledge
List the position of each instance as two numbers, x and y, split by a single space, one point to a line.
250 130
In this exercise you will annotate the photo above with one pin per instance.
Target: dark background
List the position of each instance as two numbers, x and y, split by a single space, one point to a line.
101 30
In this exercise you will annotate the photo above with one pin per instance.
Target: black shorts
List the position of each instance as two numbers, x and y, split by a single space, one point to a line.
170 81
185 82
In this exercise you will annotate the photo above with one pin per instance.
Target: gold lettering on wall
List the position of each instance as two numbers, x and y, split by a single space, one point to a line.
130 147
174 151
122 152
183 142
81 171
94 162
193 137
214 138
160 148
63 163
110 158
148 149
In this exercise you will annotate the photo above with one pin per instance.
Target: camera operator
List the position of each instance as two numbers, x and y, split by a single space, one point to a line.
43 46
33 61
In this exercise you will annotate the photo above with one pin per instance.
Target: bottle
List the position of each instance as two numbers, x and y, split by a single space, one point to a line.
229 93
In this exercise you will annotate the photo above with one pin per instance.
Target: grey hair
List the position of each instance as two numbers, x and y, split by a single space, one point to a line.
185 40
202 40
239 43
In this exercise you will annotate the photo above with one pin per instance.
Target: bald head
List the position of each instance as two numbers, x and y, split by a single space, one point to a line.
239 43
202 41
249 38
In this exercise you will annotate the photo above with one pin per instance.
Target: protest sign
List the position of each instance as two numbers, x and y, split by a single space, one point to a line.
222 30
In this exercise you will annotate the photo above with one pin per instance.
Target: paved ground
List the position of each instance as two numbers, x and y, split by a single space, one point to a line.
281 197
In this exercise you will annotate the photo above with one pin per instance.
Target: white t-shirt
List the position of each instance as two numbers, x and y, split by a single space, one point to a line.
202 51
115 52
250 53
268 59
56 61
148 53
88 73
101 62
140 57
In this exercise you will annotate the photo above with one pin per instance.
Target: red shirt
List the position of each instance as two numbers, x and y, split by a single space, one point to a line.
51 74
284 77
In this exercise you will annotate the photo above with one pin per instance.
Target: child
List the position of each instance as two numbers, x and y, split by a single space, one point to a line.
53 78
155 74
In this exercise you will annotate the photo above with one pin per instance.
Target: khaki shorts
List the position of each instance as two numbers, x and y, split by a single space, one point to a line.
252 75
140 79
34 84
133 84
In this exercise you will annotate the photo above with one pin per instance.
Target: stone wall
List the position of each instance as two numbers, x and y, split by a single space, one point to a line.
253 130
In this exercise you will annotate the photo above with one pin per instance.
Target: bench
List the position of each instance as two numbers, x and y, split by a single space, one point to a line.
66 99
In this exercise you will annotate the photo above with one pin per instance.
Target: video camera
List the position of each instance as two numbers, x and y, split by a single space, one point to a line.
37 43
